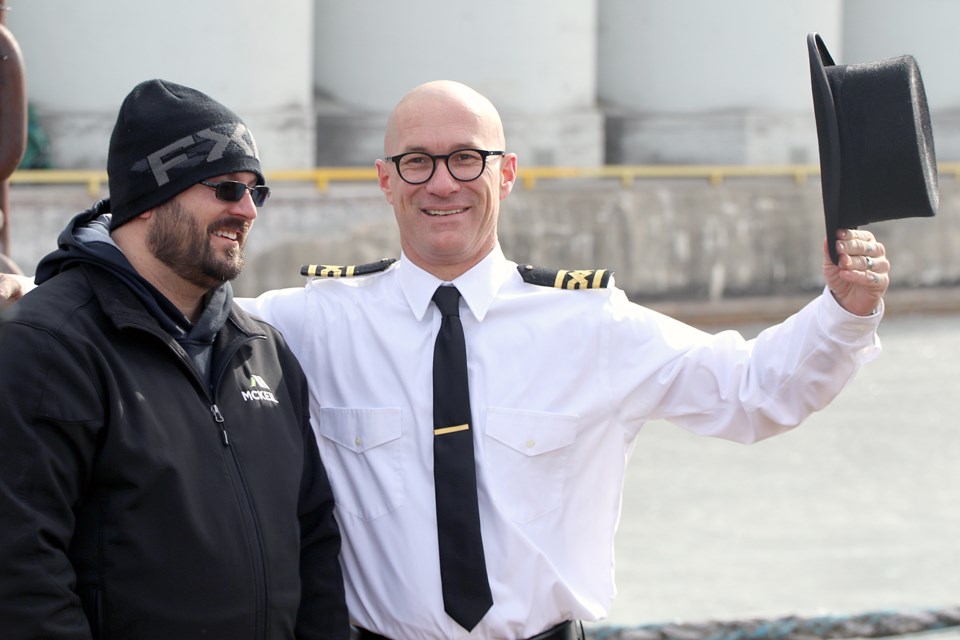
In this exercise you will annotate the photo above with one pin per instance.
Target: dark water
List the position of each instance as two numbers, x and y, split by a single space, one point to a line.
856 511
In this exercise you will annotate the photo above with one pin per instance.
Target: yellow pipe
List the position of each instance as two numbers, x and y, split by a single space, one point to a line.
321 177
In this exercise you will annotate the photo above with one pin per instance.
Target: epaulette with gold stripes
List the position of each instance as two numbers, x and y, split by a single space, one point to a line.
564 278
338 271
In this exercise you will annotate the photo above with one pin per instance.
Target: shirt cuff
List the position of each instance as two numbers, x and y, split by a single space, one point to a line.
848 327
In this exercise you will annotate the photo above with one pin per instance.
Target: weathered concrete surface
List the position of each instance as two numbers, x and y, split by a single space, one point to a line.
666 240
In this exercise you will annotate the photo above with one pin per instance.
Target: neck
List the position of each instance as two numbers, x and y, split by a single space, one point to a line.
446 271
447 274
186 297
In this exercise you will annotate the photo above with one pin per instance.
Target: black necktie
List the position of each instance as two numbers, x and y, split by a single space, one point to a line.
463 572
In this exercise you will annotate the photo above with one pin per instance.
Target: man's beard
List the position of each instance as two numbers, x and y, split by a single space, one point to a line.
176 240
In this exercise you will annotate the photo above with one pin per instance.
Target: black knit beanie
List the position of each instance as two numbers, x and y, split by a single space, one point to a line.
167 138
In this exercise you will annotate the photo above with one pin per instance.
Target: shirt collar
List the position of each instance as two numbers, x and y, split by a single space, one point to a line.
478 286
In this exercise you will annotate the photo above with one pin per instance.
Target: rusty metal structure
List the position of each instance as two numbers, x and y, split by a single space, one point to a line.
13 120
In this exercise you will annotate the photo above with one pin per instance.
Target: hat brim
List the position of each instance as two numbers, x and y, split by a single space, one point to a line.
828 136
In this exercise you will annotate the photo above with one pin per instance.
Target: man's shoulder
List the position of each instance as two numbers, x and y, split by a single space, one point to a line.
329 288
52 304
323 278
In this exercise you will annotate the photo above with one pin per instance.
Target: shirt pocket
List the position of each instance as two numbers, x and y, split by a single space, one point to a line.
527 454
362 451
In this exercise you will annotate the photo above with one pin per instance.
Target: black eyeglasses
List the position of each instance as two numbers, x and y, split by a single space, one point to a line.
416 167
232 191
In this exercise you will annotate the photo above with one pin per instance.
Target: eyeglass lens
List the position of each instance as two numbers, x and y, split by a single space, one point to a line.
232 191
464 165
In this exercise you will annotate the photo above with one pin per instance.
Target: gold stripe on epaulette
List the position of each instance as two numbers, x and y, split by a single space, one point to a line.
597 278
579 279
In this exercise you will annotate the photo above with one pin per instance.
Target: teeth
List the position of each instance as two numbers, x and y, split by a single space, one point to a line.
231 235
442 212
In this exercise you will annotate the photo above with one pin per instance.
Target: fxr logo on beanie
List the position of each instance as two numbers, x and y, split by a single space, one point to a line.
207 145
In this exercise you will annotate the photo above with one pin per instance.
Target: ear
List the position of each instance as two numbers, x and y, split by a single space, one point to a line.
383 179
508 174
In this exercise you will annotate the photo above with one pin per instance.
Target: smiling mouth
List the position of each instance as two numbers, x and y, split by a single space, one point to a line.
226 233
442 212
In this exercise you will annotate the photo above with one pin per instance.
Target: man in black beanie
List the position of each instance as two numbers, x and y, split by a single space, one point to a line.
159 477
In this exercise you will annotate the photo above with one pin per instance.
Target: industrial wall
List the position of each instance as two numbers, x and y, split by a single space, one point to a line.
666 240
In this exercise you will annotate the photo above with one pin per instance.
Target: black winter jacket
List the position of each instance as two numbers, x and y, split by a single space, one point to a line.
134 503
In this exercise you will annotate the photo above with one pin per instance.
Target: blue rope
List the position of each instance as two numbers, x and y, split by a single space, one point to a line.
867 625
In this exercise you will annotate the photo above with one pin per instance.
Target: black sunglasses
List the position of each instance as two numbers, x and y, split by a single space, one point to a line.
232 191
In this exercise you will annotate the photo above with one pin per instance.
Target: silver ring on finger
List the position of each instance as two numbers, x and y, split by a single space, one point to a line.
869 262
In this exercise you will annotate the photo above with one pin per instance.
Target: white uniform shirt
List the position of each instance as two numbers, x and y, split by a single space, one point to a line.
561 382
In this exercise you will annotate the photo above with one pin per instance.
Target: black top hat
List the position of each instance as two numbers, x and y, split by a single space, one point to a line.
876 145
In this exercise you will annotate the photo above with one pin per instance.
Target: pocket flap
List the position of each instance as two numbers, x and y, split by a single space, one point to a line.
360 430
531 433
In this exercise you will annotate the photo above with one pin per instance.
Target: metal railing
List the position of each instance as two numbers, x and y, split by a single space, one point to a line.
322 177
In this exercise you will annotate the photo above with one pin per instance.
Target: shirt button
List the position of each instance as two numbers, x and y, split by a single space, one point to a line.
358 441
531 444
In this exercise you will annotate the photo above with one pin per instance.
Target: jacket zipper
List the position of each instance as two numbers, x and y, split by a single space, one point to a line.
218 418
259 555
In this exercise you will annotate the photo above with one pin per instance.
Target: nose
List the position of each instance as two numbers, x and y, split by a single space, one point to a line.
244 207
442 181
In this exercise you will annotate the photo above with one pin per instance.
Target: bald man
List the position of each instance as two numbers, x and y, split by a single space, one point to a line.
563 372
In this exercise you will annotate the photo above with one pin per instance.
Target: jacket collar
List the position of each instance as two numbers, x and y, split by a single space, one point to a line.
125 309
